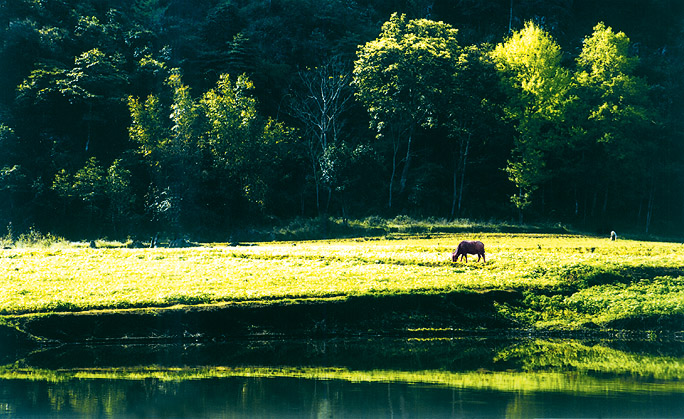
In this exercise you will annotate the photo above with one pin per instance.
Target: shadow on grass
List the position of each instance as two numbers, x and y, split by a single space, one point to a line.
383 315
586 276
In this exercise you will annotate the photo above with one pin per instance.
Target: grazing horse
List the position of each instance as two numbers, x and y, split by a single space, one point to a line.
469 247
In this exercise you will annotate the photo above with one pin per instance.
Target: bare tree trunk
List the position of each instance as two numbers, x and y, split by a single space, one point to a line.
407 164
303 203
344 210
649 209
316 186
394 169
327 202
455 193
461 167
116 231
520 210
90 121
463 172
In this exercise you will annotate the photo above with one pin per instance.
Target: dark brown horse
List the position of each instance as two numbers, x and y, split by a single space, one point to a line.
466 247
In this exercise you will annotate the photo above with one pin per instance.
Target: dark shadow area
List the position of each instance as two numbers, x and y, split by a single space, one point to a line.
381 315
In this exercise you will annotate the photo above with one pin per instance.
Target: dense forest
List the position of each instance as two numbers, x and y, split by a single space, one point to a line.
196 118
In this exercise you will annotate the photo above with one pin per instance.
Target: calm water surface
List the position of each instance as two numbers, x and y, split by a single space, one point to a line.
349 378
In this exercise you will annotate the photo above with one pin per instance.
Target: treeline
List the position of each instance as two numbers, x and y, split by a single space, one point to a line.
127 117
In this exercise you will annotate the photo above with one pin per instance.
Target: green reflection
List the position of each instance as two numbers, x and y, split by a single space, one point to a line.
522 366
572 356
491 380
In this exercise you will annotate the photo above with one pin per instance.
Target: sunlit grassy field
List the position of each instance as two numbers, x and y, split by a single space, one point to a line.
565 279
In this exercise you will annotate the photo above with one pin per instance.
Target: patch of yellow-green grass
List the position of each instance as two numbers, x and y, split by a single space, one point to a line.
559 274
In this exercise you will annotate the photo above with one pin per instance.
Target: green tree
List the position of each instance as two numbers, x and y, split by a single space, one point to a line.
210 154
471 112
96 81
170 140
119 194
42 84
345 169
13 178
530 65
86 188
232 120
615 132
242 145
148 127
89 185
400 79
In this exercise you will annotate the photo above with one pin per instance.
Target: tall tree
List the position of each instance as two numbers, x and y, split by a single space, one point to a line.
82 192
614 126
119 194
13 178
96 81
530 65
172 149
322 96
472 110
241 144
400 78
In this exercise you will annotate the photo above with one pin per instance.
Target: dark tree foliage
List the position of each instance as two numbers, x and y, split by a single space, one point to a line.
211 87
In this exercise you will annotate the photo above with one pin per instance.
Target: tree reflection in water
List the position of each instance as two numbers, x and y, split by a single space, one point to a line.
365 377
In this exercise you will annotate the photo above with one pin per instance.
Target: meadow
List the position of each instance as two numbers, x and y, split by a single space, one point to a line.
565 281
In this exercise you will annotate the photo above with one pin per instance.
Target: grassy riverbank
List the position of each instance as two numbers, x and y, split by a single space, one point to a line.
542 281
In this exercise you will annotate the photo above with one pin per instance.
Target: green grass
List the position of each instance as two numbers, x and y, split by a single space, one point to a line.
566 280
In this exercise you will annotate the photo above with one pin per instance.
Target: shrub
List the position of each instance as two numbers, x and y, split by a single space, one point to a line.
34 238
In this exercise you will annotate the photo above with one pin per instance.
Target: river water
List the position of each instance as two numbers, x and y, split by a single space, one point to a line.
349 378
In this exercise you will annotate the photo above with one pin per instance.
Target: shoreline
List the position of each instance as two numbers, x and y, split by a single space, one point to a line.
411 316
